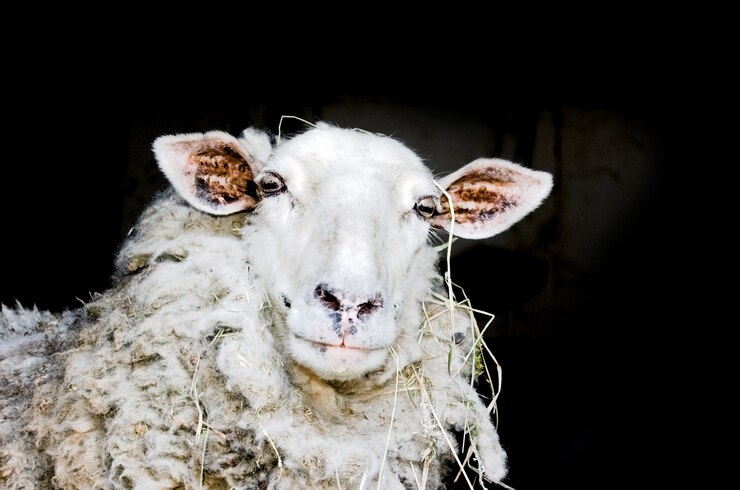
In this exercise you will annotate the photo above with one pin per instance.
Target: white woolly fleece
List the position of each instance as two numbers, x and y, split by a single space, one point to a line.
175 378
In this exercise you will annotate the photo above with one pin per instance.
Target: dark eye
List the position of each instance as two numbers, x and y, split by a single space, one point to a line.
271 184
426 206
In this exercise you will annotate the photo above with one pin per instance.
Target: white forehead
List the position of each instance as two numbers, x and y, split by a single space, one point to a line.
327 154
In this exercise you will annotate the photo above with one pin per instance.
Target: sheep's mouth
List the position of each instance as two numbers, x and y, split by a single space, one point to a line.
331 356
327 346
336 360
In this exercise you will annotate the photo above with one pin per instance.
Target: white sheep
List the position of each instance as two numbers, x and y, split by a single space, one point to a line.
277 320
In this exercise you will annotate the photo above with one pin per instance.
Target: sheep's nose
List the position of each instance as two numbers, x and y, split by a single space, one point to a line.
338 301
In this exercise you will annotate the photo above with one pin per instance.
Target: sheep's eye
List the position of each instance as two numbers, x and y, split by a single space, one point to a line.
426 206
271 184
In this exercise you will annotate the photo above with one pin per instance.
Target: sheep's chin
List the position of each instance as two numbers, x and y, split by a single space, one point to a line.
336 363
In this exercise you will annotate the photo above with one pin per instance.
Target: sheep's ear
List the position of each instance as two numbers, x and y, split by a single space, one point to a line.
489 195
214 171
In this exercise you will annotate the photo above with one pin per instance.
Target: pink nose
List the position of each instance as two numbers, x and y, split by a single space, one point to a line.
348 304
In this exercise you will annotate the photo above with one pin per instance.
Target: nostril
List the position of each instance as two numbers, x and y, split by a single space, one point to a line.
369 307
327 298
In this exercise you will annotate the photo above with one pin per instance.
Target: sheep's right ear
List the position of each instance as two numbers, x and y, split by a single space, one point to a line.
214 171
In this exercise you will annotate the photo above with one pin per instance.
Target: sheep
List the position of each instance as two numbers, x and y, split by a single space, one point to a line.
277 319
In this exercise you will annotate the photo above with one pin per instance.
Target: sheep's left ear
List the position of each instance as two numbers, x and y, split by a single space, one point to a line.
214 171
489 195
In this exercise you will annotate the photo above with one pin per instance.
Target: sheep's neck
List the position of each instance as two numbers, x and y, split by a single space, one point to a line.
328 399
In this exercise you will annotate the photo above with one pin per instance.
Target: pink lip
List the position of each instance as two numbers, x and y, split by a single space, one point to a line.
328 345
336 346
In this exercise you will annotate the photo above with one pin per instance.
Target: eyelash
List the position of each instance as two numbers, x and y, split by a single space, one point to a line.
426 206
271 184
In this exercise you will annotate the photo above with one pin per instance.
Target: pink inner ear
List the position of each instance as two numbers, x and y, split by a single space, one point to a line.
490 195
212 171
223 177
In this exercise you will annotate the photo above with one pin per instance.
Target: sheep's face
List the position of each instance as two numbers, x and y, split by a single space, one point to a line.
340 239
340 230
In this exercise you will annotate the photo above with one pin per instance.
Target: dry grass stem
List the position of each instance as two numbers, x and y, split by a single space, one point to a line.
393 414
280 126
203 459
450 444
274 448
196 401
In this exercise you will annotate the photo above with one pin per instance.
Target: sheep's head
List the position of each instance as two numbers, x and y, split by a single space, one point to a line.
340 233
